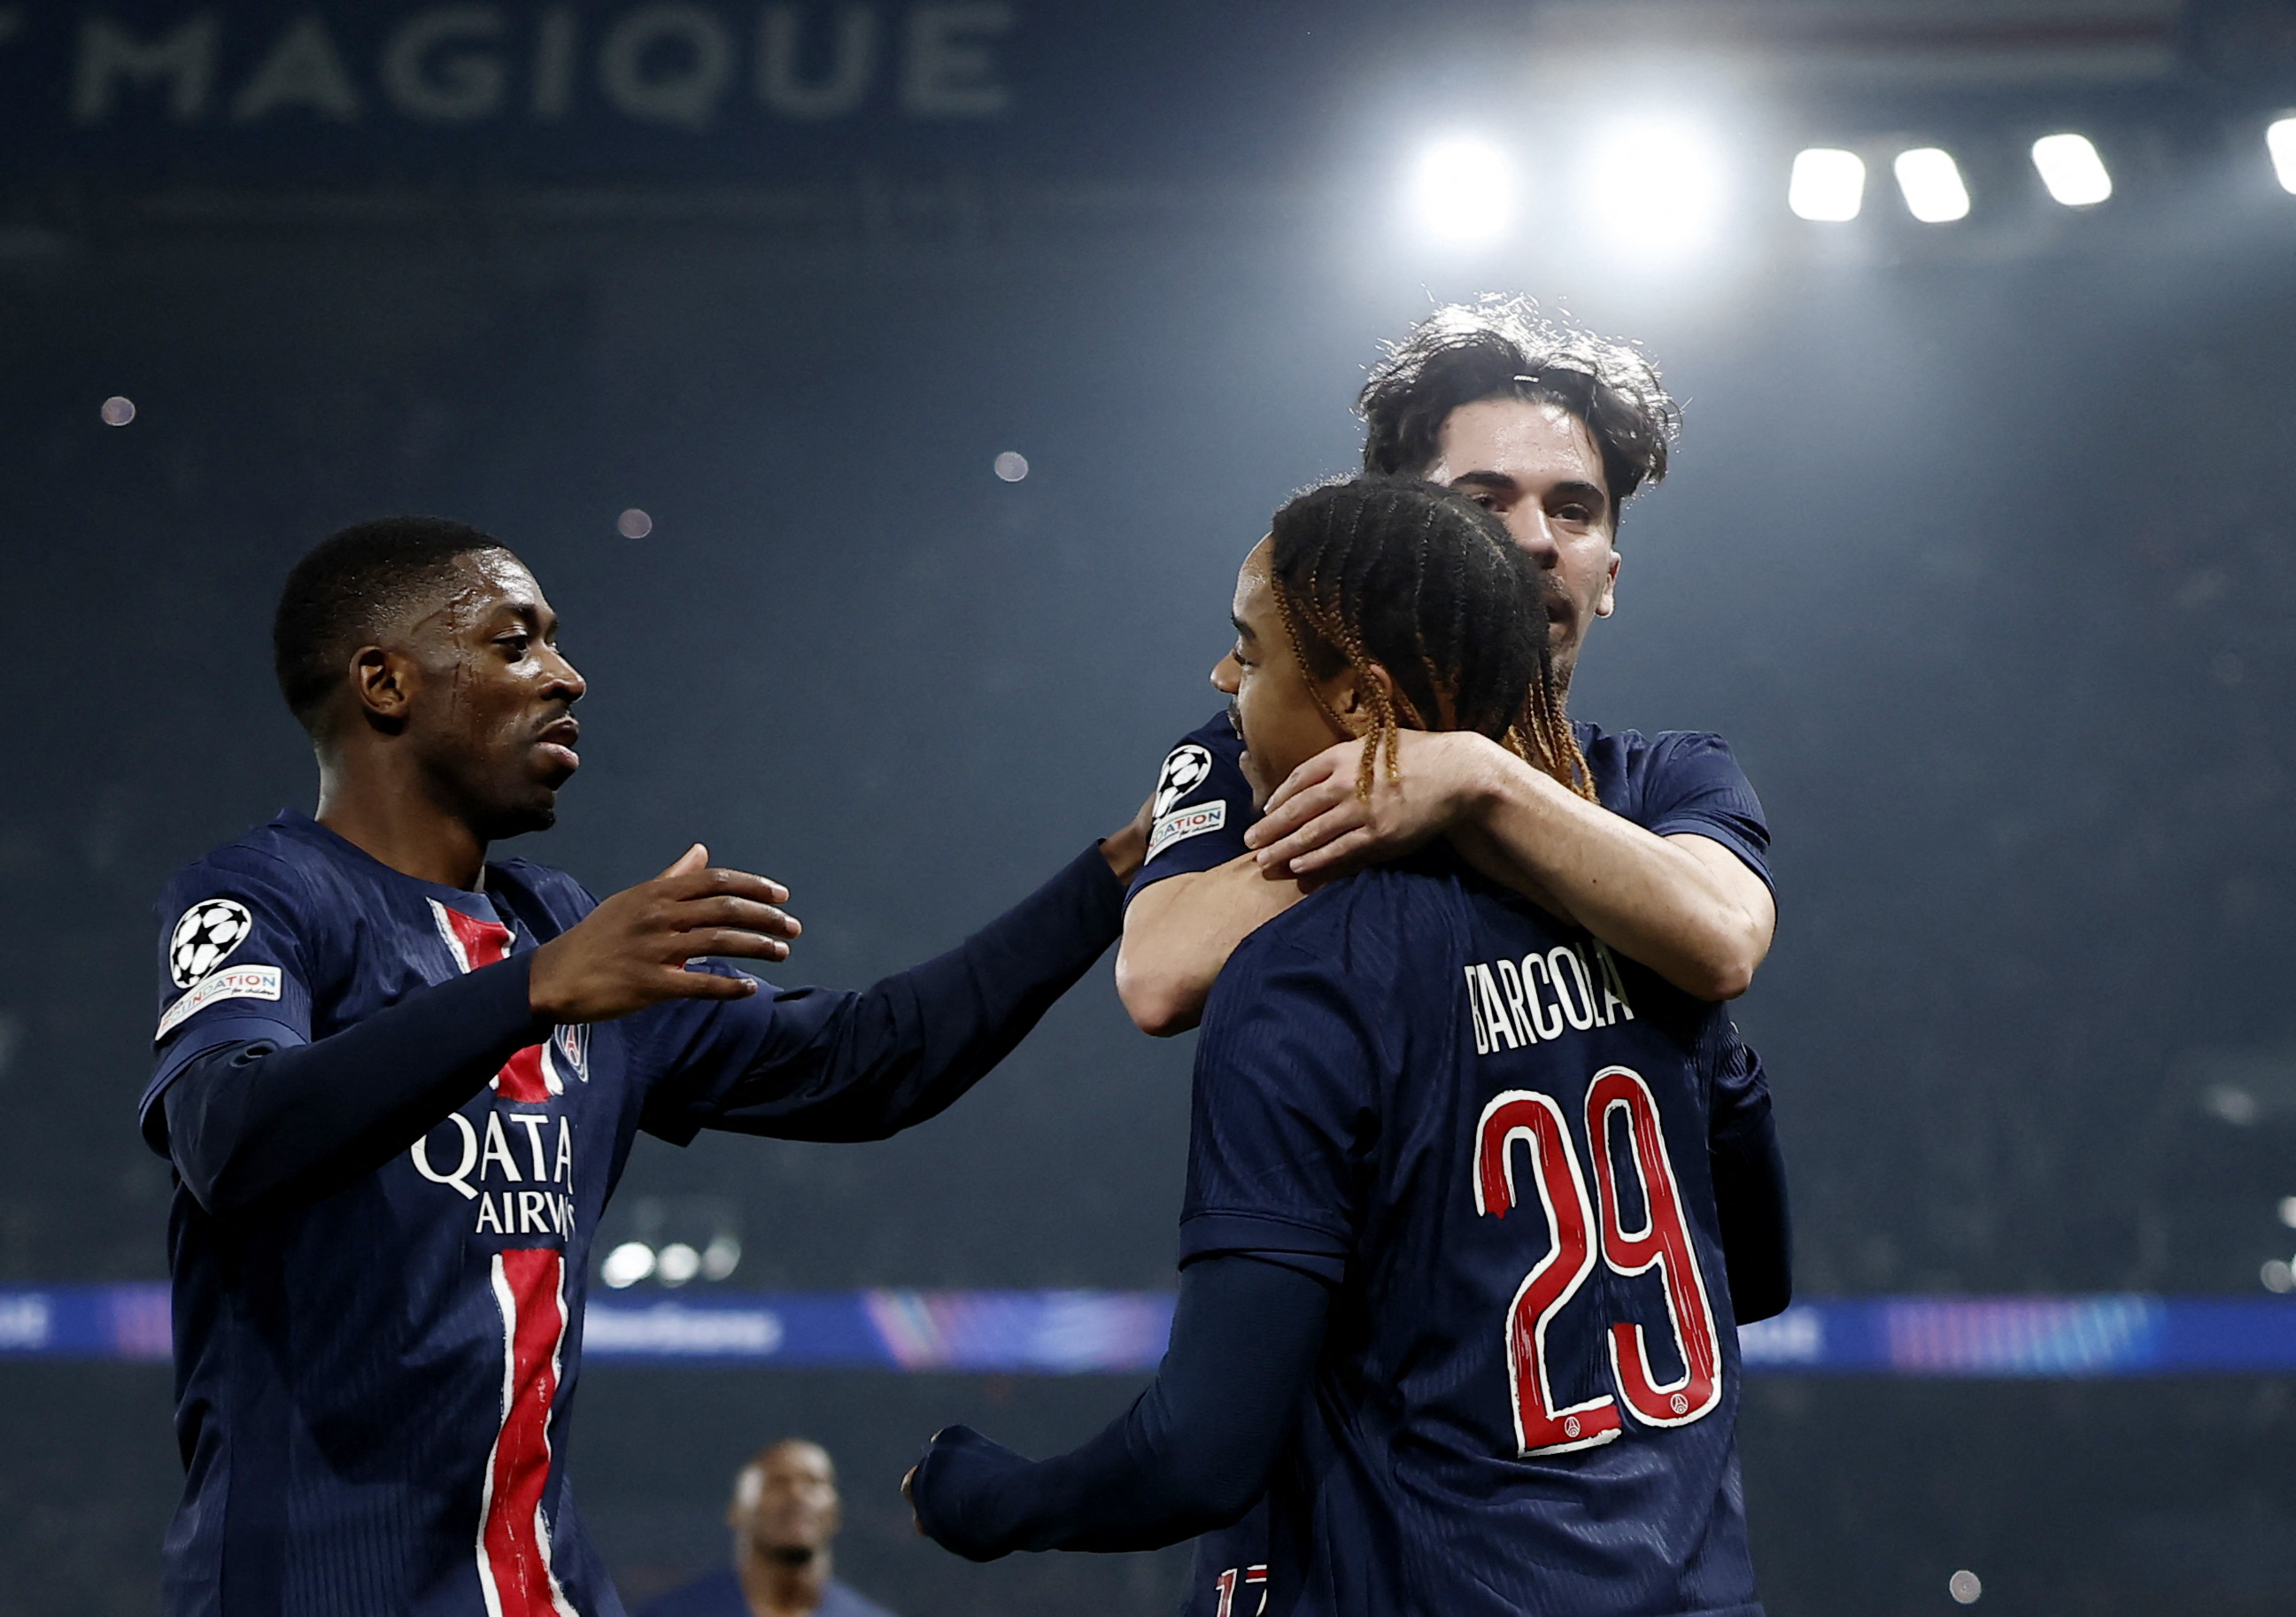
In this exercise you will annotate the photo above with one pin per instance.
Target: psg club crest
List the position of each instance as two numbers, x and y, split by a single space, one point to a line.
1187 768
569 1050
205 937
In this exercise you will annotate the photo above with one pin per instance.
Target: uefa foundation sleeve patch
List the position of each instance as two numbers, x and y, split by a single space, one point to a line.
237 983
1182 823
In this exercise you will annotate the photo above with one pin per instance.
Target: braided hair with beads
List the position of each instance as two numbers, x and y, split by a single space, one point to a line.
1425 584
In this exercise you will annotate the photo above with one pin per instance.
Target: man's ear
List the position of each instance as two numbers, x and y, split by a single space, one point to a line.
382 684
1607 602
1350 700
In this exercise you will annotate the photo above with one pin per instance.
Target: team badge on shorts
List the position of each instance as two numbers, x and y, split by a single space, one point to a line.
1187 768
205 937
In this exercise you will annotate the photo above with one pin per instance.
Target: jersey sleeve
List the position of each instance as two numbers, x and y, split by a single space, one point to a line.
1749 1183
822 1064
1202 805
1691 783
1284 1111
237 942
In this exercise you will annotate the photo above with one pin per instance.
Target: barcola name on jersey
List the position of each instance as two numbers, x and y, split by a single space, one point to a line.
542 1156
1571 987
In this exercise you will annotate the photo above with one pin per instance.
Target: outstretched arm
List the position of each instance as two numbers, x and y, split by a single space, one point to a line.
246 1120
1682 905
818 1065
1193 1452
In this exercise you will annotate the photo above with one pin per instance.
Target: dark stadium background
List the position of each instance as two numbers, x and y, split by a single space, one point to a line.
1979 550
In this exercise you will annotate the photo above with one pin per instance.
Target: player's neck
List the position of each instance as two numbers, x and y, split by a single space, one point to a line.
776 1589
400 824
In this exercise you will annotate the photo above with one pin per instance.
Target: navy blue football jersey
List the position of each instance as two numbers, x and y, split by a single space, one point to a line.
1678 781
1489 1133
374 1387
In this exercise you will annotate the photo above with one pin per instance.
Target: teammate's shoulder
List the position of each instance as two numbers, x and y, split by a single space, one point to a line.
1633 746
1637 774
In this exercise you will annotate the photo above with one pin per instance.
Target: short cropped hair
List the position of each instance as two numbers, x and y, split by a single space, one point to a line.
1504 348
347 588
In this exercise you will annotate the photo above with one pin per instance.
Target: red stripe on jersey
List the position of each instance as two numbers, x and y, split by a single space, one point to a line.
478 943
513 1539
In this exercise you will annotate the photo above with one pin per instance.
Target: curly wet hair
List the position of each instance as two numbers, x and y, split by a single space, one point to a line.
1505 347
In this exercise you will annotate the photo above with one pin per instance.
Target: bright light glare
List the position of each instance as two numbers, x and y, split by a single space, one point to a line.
2071 169
2280 140
1657 185
677 1264
627 1265
1827 185
1463 192
1931 184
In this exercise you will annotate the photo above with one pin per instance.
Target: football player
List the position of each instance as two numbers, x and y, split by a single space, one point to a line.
1450 1245
398 1083
1552 430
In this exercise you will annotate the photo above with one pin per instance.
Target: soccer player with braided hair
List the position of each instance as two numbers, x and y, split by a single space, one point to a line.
1451 1330
1551 429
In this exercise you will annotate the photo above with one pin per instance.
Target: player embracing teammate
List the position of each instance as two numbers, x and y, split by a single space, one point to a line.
1452 1291
1449 1409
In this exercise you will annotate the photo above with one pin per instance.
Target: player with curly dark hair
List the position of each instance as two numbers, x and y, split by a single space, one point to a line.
1552 428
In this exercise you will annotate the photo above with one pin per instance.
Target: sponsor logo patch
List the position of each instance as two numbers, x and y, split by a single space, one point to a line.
1187 767
240 982
205 937
1187 823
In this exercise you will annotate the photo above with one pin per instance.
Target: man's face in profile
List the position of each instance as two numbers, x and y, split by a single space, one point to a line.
785 1504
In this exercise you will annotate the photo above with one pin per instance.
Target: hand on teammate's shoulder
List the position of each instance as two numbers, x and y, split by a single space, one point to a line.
632 950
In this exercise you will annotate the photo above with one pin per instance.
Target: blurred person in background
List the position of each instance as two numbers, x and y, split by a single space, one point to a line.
785 1510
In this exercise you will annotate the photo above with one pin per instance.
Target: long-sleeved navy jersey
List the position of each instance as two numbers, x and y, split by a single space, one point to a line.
374 1379
1489 1134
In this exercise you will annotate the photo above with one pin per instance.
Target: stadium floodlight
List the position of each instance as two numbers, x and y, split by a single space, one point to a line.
1931 185
1827 185
1463 191
1656 183
627 1265
676 1263
2280 140
2071 169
